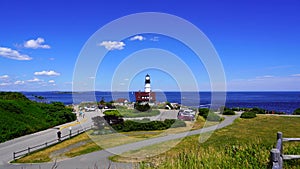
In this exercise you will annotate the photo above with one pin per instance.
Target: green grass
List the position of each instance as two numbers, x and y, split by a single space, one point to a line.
245 144
131 113
20 116
98 142
47 154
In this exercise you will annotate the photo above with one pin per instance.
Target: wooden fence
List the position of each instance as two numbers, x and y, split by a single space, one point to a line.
21 153
276 155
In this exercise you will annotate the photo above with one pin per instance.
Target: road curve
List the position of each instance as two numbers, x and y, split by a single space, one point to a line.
100 158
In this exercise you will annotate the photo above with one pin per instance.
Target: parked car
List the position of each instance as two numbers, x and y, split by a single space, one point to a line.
186 115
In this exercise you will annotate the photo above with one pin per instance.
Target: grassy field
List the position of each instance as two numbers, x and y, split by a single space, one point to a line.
87 142
245 144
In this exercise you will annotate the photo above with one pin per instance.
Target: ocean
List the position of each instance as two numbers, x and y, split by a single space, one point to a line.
273 101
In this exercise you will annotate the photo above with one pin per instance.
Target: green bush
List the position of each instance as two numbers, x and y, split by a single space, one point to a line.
258 110
209 115
228 112
203 111
213 117
142 107
296 112
130 125
248 115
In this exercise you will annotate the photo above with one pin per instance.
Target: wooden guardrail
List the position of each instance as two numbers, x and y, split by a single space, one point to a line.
21 153
276 155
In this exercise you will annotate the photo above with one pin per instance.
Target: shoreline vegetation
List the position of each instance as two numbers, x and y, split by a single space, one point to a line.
21 116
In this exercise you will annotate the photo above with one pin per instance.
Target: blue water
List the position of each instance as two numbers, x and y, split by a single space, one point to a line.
278 101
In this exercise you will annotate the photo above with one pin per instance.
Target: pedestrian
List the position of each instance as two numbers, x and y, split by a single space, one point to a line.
59 135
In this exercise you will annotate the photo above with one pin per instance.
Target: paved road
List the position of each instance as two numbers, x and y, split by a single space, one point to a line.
99 158
7 148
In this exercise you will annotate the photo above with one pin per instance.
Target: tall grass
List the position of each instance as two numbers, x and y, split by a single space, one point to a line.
245 144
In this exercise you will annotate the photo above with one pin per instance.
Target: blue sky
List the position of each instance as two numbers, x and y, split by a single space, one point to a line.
257 41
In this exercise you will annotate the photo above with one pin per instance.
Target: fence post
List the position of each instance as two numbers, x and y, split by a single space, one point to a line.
279 136
275 159
14 154
28 150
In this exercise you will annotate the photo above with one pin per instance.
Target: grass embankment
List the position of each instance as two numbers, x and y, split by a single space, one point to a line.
245 144
78 145
20 116
87 142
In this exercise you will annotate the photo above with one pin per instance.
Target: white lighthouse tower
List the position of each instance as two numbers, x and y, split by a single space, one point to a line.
147 84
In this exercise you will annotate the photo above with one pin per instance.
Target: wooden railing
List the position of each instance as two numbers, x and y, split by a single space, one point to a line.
21 153
276 155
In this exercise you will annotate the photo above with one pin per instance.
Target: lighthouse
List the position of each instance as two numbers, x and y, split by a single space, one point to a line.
147 96
147 84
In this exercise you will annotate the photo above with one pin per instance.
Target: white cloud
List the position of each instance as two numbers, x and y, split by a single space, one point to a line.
51 81
137 37
112 45
47 73
4 84
34 44
92 77
19 82
13 54
155 39
35 80
295 75
4 77
263 77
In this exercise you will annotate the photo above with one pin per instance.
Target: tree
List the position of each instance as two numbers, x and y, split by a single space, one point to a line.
296 112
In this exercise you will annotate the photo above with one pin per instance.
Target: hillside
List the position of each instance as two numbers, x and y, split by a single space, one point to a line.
20 116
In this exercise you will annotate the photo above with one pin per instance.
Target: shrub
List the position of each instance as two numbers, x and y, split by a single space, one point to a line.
130 125
142 107
296 112
258 110
248 115
213 117
228 112
203 111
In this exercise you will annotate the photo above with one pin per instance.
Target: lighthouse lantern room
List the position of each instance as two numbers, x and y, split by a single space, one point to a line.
147 96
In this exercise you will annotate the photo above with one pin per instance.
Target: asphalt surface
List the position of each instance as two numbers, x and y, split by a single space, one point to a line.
97 159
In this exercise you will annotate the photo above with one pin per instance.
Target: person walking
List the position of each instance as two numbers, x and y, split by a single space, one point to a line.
59 135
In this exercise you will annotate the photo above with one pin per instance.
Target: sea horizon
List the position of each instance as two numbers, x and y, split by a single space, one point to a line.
279 101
